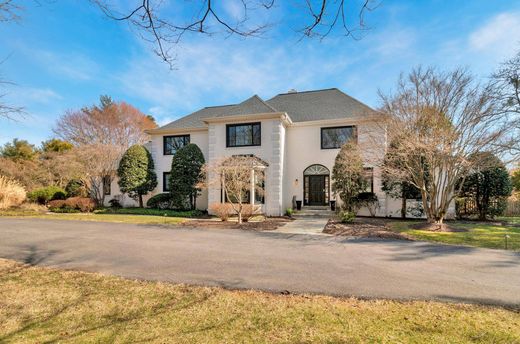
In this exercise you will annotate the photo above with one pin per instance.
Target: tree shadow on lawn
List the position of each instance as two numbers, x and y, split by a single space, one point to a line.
113 321
478 301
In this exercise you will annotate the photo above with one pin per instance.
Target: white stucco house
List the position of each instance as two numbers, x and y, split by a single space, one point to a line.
297 134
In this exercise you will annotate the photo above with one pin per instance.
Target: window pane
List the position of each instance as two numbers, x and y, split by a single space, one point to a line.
369 178
256 134
174 143
166 181
335 137
259 187
106 185
243 135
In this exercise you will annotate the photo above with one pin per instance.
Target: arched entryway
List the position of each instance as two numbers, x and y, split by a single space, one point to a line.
316 185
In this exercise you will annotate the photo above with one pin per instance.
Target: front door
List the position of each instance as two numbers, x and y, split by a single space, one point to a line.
317 190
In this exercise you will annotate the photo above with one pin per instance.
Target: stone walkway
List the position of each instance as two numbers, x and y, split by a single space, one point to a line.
310 220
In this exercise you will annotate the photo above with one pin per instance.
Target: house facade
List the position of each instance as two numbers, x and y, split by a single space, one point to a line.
297 134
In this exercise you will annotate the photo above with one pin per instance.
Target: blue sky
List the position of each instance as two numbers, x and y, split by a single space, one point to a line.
65 53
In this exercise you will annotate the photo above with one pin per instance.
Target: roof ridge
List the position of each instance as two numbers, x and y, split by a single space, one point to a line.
309 91
215 106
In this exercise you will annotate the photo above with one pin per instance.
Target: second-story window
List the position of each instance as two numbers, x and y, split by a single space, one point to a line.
173 143
335 137
241 135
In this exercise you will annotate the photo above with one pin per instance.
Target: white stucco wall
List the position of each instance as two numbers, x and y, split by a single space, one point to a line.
124 199
271 150
163 162
304 149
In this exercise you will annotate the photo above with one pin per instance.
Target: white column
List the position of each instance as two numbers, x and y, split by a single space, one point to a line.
252 189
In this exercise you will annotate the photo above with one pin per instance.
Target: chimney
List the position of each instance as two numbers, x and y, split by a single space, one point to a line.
292 90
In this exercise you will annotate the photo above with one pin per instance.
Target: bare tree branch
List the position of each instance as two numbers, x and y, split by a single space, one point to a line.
7 110
164 32
9 11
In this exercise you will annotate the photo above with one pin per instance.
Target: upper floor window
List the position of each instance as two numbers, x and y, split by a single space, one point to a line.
335 137
241 135
173 143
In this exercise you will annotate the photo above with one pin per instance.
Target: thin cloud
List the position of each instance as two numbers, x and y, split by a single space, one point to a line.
499 36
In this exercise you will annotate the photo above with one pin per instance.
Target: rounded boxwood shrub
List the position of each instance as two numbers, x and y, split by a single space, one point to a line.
160 201
46 194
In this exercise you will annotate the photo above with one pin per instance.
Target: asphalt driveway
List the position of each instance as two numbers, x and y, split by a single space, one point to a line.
267 261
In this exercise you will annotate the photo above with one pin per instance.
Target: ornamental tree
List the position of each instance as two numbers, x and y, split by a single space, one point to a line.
438 121
488 185
186 176
136 173
348 178
237 177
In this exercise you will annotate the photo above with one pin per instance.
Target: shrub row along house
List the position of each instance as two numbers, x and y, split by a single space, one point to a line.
296 137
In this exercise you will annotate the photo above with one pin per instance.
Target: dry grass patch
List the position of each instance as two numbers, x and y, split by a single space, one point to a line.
12 193
44 305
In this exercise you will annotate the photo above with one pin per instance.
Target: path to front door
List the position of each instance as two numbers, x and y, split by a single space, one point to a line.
310 220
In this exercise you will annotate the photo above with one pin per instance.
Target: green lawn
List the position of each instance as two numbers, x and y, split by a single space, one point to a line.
166 219
42 305
479 234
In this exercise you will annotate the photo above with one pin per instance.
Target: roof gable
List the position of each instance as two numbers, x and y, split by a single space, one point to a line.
250 106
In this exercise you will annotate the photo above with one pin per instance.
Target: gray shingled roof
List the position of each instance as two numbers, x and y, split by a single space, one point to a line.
317 105
300 106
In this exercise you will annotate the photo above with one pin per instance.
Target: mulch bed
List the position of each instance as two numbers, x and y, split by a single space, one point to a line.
269 224
364 228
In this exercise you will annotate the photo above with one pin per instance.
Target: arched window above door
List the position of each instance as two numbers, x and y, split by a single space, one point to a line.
316 170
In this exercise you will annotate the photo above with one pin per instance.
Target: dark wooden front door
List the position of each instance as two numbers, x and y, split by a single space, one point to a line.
317 190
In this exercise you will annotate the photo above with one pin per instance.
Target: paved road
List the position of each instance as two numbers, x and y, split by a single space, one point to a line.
267 261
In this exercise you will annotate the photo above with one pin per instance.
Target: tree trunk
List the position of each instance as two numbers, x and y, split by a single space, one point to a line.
141 201
240 217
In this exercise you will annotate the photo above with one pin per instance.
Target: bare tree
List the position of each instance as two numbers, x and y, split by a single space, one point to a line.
237 177
437 121
348 178
110 123
507 83
101 134
165 28
99 161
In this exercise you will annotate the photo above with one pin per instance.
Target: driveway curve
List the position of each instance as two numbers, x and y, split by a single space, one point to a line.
268 261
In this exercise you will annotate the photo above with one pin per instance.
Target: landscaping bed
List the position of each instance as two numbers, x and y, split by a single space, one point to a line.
364 228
